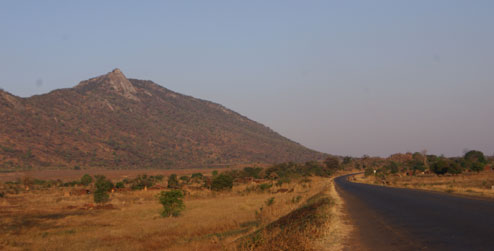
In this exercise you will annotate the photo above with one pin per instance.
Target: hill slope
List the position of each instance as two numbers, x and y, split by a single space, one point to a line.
112 121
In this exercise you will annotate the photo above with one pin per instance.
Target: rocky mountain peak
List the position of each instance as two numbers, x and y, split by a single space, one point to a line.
114 81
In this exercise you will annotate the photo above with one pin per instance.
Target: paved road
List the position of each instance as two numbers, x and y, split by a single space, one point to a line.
405 219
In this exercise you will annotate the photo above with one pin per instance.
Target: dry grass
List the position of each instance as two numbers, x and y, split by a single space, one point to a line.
53 220
471 184
316 225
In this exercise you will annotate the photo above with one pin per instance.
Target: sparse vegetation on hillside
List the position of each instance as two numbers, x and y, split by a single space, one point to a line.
151 126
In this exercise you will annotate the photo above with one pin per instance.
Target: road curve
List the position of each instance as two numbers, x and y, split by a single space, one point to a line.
405 219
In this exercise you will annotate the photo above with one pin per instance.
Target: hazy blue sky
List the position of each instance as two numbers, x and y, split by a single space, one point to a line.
343 77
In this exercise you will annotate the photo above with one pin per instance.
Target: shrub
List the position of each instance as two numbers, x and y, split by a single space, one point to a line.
264 186
270 201
475 156
332 163
77 168
142 181
2 194
103 184
440 166
252 171
369 171
102 187
185 179
222 182
172 203
172 181
197 176
296 199
101 196
119 184
86 179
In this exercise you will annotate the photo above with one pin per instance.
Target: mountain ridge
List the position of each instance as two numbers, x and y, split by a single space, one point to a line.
118 122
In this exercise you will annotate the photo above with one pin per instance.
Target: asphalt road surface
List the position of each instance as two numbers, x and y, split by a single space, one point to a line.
406 219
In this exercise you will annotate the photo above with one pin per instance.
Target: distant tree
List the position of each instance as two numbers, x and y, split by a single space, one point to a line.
197 176
475 156
103 186
332 163
86 179
222 182
77 168
369 171
214 173
347 160
102 183
172 203
119 184
158 177
185 178
392 167
440 166
173 181
101 196
252 171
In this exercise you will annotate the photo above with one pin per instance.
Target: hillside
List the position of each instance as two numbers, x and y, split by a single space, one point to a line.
115 122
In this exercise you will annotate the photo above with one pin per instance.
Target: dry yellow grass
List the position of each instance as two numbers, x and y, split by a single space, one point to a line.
471 184
53 220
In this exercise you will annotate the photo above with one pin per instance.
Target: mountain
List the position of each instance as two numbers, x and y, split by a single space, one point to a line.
115 122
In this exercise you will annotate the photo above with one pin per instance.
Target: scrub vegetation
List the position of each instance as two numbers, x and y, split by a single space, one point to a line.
285 205
472 174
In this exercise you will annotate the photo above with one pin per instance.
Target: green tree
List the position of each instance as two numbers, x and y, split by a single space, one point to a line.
440 166
475 156
103 186
185 178
86 179
172 203
101 196
197 176
119 184
332 163
173 181
222 182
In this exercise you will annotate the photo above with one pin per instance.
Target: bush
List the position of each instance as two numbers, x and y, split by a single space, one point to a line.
222 182
172 203
264 186
120 184
101 196
369 171
197 176
102 187
2 194
440 166
270 201
142 181
86 179
103 184
332 163
185 179
172 181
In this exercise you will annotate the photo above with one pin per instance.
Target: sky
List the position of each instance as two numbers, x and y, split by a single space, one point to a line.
341 77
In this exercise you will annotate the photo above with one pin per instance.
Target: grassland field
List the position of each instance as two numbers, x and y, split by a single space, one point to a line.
305 215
